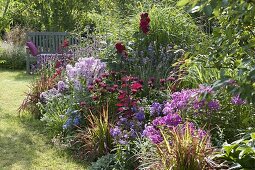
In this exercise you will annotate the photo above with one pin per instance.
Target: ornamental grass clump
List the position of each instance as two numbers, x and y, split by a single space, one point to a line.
179 146
95 139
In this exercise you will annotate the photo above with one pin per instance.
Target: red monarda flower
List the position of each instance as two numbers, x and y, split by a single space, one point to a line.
120 47
136 86
144 22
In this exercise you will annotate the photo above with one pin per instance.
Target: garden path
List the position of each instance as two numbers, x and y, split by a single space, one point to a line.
23 143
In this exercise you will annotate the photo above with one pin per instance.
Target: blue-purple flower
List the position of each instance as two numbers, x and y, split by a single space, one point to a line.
214 105
236 100
155 109
61 86
153 134
115 131
140 116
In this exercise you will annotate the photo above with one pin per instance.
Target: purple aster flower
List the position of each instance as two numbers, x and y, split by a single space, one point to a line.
155 109
140 116
115 131
201 133
214 105
158 121
153 134
123 142
61 86
236 100
172 119
198 104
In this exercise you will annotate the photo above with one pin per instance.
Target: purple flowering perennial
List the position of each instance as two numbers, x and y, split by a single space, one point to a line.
168 120
61 86
155 109
115 131
87 68
214 105
153 134
236 100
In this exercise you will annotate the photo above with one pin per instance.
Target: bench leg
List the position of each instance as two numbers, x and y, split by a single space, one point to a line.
28 64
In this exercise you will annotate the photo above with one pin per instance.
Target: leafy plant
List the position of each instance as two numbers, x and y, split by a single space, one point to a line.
238 154
105 162
12 57
39 85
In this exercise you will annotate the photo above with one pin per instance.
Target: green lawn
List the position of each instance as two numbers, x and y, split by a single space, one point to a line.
23 143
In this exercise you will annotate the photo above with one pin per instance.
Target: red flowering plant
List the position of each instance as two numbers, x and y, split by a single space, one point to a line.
119 91
145 23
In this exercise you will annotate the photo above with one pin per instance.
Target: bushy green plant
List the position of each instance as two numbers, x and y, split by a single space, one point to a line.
238 154
105 162
12 57
54 113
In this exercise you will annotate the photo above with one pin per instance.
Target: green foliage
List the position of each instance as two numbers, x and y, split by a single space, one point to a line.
233 39
12 57
240 153
53 114
105 162
146 154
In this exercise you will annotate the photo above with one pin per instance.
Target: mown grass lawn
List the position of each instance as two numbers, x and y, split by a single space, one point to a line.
23 142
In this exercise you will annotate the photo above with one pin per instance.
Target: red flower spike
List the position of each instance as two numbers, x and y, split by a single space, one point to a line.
170 79
119 104
122 96
120 47
144 23
98 80
121 109
95 98
90 87
115 86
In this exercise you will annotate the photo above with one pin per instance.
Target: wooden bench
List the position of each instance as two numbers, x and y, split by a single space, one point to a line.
48 43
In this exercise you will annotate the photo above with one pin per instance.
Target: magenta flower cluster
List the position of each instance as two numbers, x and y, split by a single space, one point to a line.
236 100
190 98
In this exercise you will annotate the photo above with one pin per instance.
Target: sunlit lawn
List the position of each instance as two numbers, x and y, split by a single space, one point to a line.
23 142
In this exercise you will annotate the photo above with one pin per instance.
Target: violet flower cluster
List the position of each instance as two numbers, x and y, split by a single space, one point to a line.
152 131
190 98
236 100
168 123
128 129
49 95
87 69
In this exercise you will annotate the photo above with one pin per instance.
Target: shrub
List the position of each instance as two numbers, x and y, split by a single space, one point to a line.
12 57
105 162
239 154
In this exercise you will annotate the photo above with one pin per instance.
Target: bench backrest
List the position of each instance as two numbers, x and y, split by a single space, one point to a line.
50 42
